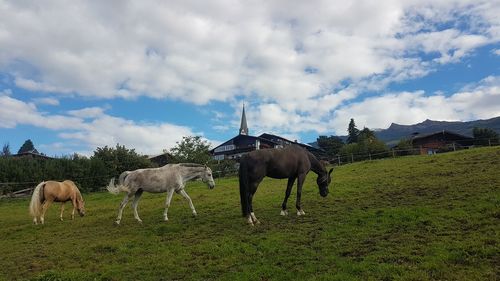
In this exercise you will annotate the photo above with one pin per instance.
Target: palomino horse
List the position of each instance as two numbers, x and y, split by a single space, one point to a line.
292 162
52 191
169 178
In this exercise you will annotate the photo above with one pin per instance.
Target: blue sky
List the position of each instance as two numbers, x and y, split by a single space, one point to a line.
76 76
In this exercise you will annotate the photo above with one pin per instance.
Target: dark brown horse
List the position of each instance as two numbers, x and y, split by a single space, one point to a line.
292 162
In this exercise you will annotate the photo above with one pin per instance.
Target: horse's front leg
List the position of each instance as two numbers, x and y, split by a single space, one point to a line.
170 193
62 211
185 195
289 187
300 183
74 209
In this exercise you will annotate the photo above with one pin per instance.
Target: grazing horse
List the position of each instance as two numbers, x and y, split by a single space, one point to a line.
169 178
52 191
292 162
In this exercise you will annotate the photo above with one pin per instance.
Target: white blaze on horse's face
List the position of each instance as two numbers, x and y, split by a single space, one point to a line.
207 178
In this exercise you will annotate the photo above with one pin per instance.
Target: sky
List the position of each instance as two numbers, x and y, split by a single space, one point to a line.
77 75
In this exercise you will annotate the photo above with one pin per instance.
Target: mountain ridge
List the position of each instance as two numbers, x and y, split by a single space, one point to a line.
395 132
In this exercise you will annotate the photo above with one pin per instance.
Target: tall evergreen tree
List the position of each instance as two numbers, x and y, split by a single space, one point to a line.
27 146
5 150
353 132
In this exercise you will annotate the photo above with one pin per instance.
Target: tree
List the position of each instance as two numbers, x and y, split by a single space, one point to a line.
353 132
331 144
5 150
485 136
191 149
26 147
120 159
366 146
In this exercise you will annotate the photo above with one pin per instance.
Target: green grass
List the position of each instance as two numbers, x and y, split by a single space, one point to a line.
411 218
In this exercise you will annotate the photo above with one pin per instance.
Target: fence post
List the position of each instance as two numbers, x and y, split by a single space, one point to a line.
370 156
352 158
339 160
454 149
489 142
393 153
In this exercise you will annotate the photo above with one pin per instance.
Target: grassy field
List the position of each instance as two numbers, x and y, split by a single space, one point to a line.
411 218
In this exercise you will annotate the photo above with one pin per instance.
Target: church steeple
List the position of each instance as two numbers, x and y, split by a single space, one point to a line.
243 126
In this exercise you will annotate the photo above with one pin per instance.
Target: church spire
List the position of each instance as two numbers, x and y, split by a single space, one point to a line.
243 126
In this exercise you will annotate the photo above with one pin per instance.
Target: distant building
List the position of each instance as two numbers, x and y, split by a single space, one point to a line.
161 159
244 143
31 154
440 141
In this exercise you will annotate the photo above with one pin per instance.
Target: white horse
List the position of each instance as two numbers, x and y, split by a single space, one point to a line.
169 178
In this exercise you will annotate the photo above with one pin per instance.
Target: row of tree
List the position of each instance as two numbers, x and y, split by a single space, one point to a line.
359 142
93 173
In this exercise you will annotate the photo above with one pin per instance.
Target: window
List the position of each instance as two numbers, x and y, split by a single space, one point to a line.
225 148
219 157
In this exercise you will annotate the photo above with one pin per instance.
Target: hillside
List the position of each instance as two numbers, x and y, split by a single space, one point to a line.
396 132
409 218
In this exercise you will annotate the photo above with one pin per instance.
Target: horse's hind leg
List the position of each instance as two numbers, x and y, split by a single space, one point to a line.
289 187
252 214
185 195
45 206
300 182
122 206
135 203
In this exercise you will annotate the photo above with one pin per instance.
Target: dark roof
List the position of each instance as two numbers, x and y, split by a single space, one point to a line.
238 137
271 136
443 133
32 153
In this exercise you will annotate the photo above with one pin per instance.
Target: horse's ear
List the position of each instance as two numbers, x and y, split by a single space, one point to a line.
330 172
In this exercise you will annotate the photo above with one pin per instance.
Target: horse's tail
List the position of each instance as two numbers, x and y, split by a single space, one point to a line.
122 177
115 189
243 176
36 200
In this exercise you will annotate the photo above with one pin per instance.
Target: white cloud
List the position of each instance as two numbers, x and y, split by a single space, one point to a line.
200 52
478 101
89 112
292 63
46 100
91 128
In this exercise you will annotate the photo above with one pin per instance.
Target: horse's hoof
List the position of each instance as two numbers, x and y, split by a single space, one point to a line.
284 213
300 212
165 219
194 214
117 222
256 221
139 221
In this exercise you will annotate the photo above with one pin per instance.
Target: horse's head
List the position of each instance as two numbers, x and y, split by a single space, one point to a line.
207 177
323 182
80 207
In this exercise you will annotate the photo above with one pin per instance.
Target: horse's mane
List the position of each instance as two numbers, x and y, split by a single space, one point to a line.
316 165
